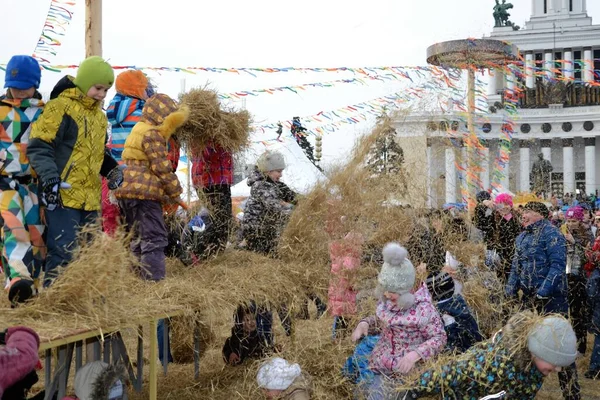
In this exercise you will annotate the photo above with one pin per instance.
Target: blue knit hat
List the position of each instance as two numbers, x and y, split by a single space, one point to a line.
22 72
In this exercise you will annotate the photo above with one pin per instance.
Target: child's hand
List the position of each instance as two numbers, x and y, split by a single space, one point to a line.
362 329
422 268
450 271
407 362
234 359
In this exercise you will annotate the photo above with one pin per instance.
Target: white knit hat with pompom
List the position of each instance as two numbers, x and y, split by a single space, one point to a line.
397 274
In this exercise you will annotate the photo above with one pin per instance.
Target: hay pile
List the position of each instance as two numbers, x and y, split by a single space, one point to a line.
211 123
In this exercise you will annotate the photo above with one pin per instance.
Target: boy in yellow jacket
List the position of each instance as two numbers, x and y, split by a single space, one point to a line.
67 151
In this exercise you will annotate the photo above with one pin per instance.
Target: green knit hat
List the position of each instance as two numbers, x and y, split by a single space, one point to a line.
94 71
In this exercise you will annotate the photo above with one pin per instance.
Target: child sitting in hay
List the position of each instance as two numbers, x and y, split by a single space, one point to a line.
411 327
245 341
515 361
284 381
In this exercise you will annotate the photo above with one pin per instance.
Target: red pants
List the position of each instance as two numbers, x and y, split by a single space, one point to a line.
110 212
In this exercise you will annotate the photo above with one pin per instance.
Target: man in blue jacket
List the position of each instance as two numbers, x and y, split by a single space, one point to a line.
539 271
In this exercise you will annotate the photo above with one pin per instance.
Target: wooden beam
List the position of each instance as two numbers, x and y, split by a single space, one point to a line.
93 28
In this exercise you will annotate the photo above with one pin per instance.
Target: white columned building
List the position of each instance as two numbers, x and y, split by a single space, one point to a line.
560 43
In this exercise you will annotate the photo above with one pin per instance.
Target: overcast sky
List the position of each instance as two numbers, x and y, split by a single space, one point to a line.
265 33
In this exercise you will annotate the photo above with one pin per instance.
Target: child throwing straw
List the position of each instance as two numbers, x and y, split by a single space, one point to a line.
411 327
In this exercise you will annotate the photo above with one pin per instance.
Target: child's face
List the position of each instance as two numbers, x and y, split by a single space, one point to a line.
21 94
249 323
275 175
545 367
393 297
272 394
98 92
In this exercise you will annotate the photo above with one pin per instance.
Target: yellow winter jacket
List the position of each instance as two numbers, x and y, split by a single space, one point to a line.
149 174
68 142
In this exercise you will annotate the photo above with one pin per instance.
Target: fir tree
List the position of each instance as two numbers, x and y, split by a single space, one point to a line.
386 155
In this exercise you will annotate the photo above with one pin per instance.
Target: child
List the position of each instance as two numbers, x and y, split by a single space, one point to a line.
244 341
593 292
99 381
411 328
516 360
22 230
149 181
345 255
461 327
281 380
67 151
269 204
124 111
18 360
579 238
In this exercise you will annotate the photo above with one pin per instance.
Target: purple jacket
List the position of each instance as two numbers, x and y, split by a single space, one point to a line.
19 357
419 328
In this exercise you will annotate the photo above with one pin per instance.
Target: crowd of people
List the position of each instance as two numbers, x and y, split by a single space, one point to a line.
61 171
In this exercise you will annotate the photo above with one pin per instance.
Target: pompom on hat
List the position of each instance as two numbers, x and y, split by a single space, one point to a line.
277 374
553 340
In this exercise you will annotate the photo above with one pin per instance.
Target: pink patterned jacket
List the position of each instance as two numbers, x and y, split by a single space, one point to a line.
345 255
19 357
420 329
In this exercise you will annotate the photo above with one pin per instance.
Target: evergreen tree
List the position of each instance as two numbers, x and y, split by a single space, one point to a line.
386 155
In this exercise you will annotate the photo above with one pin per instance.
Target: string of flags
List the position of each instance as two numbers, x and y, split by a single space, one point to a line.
55 27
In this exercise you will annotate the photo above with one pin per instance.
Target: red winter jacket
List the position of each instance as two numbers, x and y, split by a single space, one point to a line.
211 166
18 357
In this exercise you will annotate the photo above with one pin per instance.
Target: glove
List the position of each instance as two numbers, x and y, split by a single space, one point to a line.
51 194
115 177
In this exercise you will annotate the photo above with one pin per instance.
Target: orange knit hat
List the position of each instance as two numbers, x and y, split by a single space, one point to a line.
132 83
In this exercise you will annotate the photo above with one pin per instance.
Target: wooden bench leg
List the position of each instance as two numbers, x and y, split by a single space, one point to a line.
78 355
140 360
165 345
196 351
153 357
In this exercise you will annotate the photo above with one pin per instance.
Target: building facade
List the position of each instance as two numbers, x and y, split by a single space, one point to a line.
557 91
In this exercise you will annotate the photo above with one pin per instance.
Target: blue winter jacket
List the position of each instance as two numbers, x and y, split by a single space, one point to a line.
539 266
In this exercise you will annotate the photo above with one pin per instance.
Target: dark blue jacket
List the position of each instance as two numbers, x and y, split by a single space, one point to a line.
539 266
464 333
593 292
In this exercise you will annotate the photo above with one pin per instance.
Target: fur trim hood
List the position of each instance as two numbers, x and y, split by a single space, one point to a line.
96 380
163 114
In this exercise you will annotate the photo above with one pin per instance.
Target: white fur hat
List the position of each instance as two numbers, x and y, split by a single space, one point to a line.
271 161
277 374
397 274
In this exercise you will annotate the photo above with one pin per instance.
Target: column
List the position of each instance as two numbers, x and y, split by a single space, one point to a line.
549 63
524 165
505 181
550 6
568 71
583 6
450 175
485 166
565 6
464 165
533 7
588 65
430 179
529 71
510 81
546 145
590 165
568 171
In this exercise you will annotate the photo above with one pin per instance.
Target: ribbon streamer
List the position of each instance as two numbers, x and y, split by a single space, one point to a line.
57 21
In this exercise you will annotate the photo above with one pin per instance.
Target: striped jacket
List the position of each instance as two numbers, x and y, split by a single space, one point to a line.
123 113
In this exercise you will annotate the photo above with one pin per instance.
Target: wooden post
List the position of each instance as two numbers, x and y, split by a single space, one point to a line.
93 28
